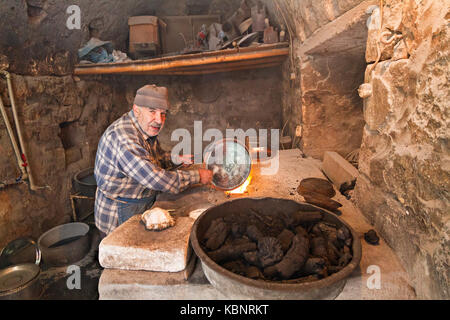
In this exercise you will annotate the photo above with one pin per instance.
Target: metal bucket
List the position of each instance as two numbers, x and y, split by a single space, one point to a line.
239 287
65 244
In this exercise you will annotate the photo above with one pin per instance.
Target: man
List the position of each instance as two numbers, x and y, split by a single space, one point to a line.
130 166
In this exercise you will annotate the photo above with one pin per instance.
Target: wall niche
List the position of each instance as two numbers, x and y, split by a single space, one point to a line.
72 136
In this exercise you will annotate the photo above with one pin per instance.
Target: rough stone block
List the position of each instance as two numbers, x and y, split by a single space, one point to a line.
400 51
338 169
387 51
327 104
146 285
389 101
4 63
132 247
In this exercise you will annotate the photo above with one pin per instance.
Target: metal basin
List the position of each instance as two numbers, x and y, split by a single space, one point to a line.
239 287
65 244
20 282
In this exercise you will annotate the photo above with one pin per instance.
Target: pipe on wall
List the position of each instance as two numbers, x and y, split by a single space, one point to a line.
13 140
21 156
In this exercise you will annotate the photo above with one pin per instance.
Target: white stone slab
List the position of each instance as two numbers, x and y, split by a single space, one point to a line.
147 285
338 169
132 247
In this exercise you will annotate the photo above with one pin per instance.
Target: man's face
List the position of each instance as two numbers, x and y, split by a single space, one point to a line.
150 120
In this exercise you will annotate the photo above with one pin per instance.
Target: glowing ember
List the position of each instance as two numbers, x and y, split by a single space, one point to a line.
242 188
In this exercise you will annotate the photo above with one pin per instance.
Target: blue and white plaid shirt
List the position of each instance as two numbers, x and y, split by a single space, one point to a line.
131 164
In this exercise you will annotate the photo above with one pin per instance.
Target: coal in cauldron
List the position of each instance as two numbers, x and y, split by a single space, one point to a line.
247 226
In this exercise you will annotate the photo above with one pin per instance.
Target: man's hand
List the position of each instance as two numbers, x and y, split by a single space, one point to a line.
186 159
205 176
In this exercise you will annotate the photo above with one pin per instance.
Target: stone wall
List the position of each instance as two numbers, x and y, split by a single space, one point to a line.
331 108
61 120
322 96
236 100
404 163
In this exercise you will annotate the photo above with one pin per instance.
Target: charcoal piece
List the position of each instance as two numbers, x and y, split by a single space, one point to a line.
327 228
346 249
319 247
263 218
254 234
236 241
305 217
321 201
216 234
329 232
231 252
315 230
315 266
269 251
236 266
332 253
343 233
237 230
293 261
334 269
344 259
371 237
253 273
317 185
251 257
285 238
291 220
286 218
301 231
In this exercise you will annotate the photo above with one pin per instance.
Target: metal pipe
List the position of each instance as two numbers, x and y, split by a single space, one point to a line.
24 156
13 140
166 64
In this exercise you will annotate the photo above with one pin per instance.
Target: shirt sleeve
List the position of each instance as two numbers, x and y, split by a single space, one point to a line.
133 160
166 156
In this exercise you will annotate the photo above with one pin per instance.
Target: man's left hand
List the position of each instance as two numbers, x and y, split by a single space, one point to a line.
186 159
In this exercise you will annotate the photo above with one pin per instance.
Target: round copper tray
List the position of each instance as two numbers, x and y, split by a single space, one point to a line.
230 162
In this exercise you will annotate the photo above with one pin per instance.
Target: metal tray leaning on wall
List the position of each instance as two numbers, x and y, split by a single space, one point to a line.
20 270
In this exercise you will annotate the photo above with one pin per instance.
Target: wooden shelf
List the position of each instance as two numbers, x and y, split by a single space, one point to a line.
262 56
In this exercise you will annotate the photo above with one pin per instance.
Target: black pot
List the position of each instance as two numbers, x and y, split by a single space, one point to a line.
84 182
